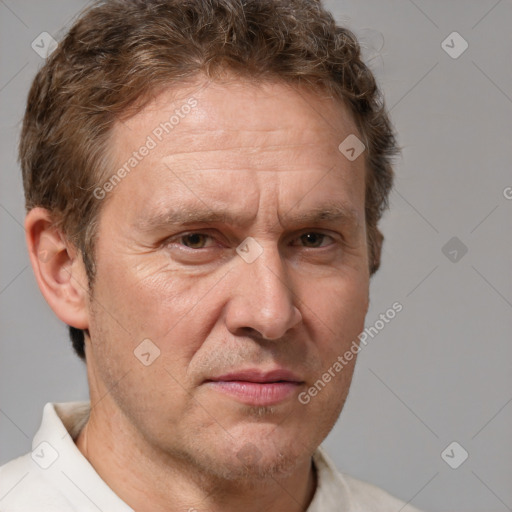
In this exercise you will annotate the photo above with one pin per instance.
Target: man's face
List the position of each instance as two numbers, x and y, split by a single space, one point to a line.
293 299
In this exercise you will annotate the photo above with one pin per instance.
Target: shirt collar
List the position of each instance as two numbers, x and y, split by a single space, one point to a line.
63 465
332 492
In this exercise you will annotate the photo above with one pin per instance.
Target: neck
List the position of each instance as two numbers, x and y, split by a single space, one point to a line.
147 479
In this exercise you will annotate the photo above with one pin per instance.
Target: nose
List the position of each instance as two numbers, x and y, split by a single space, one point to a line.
262 298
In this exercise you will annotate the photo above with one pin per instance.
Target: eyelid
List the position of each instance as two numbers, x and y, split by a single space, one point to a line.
176 238
335 239
206 232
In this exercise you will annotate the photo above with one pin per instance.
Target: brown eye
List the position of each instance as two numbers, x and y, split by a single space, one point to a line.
313 239
194 240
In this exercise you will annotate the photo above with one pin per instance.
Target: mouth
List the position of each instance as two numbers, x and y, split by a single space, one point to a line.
253 387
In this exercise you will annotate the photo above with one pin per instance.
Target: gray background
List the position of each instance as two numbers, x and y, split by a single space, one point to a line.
441 370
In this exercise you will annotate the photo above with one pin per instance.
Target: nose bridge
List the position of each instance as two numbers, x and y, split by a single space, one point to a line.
270 275
264 298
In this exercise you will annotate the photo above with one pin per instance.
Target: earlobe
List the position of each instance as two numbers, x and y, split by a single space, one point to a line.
58 268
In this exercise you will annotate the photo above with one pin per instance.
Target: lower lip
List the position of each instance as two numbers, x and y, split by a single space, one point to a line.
256 393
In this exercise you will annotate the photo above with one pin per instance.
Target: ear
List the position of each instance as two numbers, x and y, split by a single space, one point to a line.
378 240
58 268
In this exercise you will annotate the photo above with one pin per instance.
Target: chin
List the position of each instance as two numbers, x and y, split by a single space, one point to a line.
250 458
255 447
253 473
264 456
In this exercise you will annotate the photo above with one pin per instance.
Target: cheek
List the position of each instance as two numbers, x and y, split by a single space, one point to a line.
146 300
338 306
127 310
337 315
174 310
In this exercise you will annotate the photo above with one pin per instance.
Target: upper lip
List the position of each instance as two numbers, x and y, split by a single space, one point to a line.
255 375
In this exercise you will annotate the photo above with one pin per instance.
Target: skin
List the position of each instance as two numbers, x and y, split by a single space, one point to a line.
159 435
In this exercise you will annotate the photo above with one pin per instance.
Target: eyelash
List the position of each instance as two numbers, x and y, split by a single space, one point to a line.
184 235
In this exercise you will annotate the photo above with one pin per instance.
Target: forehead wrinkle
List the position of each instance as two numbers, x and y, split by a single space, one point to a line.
183 215
272 147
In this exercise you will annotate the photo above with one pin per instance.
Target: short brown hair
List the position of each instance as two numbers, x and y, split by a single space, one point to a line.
119 52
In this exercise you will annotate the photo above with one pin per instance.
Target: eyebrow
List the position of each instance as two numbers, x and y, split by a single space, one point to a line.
187 215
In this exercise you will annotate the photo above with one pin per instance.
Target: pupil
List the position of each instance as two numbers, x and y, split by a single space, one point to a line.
194 239
311 237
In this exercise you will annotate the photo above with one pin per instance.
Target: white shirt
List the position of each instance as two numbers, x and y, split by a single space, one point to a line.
56 477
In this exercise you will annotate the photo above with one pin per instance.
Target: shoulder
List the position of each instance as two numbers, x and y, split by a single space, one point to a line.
370 497
24 489
336 488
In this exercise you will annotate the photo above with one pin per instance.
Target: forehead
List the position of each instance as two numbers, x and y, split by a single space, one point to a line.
273 110
210 140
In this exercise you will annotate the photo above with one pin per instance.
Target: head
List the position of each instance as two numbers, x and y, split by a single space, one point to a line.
158 137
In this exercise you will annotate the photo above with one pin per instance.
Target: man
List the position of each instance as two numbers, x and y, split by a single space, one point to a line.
203 184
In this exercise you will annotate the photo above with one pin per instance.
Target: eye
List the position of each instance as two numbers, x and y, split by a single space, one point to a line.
314 239
194 240
198 240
